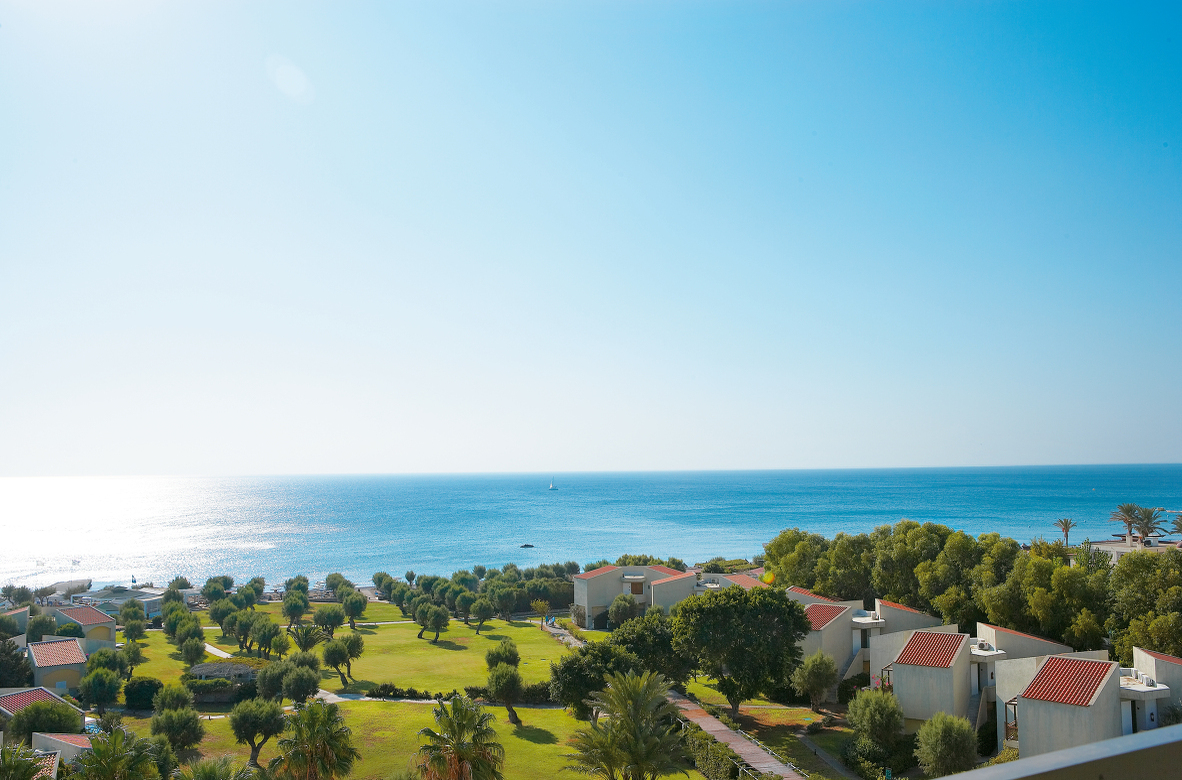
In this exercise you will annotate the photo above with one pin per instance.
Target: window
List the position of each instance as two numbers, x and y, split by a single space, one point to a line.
638 589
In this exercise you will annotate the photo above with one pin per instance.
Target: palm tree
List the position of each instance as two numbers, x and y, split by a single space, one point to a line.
1178 523
318 745
117 756
306 637
464 747
1065 524
223 768
18 762
1127 514
1148 523
638 739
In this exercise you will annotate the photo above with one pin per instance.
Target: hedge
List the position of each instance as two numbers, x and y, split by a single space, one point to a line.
138 692
536 693
392 691
712 758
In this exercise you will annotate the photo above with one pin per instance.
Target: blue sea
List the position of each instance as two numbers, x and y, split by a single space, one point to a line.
111 529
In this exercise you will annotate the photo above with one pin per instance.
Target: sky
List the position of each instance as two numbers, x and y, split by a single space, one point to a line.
285 237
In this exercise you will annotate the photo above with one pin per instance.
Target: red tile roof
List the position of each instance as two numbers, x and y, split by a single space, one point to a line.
743 581
893 605
1069 680
56 653
48 763
931 648
14 611
667 570
87 616
1161 656
14 702
821 615
77 740
804 592
681 576
1019 633
595 572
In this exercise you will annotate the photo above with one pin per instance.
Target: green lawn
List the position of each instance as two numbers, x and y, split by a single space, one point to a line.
777 728
706 691
386 734
375 611
164 661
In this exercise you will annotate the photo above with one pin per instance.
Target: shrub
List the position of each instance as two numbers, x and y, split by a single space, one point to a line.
504 653
300 683
100 688
48 716
1169 716
392 691
623 609
876 715
946 744
140 691
172 697
814 677
71 629
814 727
202 687
578 615
535 693
849 687
181 727
307 660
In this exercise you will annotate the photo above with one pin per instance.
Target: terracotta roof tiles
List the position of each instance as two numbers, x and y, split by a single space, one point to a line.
1170 659
893 605
821 615
86 615
47 763
595 572
1069 680
744 582
77 740
931 648
667 570
14 702
806 592
56 653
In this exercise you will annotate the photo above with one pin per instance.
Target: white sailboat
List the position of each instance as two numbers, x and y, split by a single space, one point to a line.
552 484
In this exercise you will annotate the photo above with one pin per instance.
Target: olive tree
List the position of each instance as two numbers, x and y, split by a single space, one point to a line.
814 677
482 610
100 688
255 721
946 744
505 686
329 618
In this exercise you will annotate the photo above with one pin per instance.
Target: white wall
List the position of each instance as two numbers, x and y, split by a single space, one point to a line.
1019 645
904 619
1046 726
923 691
885 648
1164 672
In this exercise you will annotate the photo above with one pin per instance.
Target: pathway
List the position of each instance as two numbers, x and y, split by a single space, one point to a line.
747 750
833 763
216 651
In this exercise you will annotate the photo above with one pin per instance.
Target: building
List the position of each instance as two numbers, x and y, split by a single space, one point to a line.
1164 669
884 632
111 600
48 763
224 670
21 616
98 626
930 675
68 746
59 665
13 700
595 590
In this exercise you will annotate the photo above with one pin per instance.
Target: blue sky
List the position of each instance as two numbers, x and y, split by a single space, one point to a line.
363 237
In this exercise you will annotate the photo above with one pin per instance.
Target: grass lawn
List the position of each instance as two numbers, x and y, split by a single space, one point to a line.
386 734
375 611
777 726
706 691
164 660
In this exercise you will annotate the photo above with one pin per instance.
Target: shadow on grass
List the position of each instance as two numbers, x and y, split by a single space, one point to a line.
447 644
538 736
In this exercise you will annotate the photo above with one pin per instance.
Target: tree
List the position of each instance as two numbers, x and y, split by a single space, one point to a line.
504 653
40 627
220 768
182 727
505 686
622 609
9 627
139 692
269 681
18 762
336 655
877 716
482 610
814 677
306 637
173 696
576 676
355 645
650 639
132 609
1065 524
171 596
71 629
542 607
50 717
15 671
180 583
1147 524
462 745
437 620
793 556
133 656
317 745
280 644
118 756
638 739
193 651
354 605
506 599
1126 514
106 658
244 623
464 603
329 618
100 688
300 683
255 721
248 595
264 633
295 604
188 628
134 630
220 610
410 578
746 640
946 744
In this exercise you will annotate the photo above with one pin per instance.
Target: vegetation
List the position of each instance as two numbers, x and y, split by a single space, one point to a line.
255 721
622 609
18 762
100 689
52 717
175 719
118 756
575 677
139 692
814 677
504 653
220 768
462 744
505 686
40 627
15 671
317 745
946 744
650 640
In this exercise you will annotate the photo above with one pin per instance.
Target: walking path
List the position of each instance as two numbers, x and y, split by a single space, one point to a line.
748 751
820 753
216 651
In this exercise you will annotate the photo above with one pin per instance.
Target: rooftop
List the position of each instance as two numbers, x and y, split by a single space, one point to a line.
806 592
1171 659
1073 681
904 607
87 616
595 572
743 581
931 648
667 570
48 765
821 615
14 702
56 653
78 740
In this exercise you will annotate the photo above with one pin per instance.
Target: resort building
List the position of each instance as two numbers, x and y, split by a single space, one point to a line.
1164 669
67 746
58 663
98 626
930 675
49 764
651 586
21 616
13 700
111 600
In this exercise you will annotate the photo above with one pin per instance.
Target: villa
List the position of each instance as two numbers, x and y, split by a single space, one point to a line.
1165 669
930 675
98 626
650 586
58 663
13 700
21 616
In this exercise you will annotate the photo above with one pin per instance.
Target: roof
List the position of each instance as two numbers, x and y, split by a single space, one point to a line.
681 576
1170 659
931 648
56 653
1069 680
48 765
14 611
806 592
743 581
893 605
77 740
595 572
667 570
1019 633
87 616
821 615
14 702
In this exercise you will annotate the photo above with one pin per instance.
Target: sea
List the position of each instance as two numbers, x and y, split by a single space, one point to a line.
116 530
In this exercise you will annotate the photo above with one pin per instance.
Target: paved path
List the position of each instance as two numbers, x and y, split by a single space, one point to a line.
834 763
217 651
747 750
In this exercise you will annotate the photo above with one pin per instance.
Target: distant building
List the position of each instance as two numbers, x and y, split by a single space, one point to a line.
111 600
13 700
98 626
59 665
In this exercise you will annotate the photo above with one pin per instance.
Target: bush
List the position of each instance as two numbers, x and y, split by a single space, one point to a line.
72 629
48 716
1169 716
877 716
100 688
623 609
300 683
946 744
40 627
848 688
535 693
392 691
306 660
247 690
814 677
867 758
182 727
140 691
504 653
814 727
202 687
713 759
172 697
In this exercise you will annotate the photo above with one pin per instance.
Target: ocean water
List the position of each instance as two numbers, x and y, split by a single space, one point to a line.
113 529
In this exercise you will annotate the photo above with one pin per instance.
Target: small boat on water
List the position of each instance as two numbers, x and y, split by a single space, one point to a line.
552 485
527 545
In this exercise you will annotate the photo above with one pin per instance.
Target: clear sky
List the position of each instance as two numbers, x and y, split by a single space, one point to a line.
400 237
